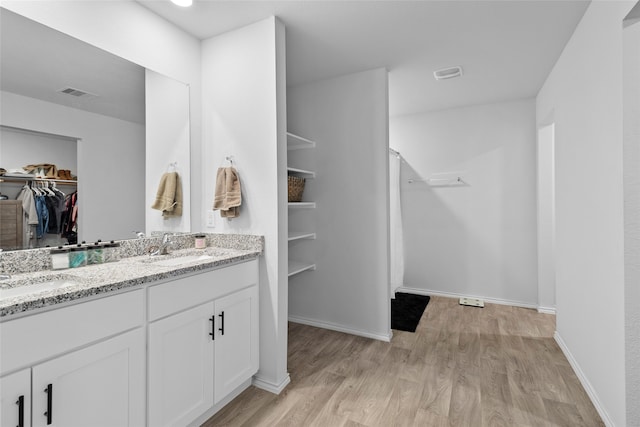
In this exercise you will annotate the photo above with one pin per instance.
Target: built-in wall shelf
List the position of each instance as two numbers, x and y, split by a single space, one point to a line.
301 172
300 235
296 267
302 205
295 142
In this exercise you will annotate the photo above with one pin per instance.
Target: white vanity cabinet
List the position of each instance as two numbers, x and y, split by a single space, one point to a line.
236 340
165 354
15 402
181 367
81 365
203 342
101 385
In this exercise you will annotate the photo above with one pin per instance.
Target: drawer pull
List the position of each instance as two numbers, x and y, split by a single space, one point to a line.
20 404
48 414
221 328
213 328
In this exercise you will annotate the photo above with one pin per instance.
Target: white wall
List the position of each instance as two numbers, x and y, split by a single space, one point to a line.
19 148
243 106
546 218
167 143
134 33
584 93
347 117
476 239
631 154
110 155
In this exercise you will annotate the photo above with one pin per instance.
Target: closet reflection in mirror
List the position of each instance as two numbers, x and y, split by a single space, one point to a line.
54 84
38 189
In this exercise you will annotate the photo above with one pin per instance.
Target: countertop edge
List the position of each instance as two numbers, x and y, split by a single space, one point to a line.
49 299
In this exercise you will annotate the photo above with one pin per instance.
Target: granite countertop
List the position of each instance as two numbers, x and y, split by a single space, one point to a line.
35 288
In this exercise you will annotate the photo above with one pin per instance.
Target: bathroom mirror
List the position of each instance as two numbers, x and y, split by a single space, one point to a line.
55 85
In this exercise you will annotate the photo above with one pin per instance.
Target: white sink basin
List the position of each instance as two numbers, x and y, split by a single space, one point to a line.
173 262
19 291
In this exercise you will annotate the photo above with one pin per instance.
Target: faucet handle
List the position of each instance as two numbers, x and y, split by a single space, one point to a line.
153 250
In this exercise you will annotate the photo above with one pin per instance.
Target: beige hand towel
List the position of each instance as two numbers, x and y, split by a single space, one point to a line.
176 210
228 193
169 195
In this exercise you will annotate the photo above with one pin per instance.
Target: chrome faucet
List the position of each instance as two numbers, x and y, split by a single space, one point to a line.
163 249
166 244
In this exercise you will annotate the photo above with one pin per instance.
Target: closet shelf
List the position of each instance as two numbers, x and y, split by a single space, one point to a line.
296 267
295 142
28 178
300 235
302 205
304 173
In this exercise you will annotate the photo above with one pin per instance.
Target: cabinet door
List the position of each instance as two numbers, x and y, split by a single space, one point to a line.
15 399
236 351
100 385
181 367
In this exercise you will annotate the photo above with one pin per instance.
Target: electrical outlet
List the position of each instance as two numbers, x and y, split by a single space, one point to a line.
211 219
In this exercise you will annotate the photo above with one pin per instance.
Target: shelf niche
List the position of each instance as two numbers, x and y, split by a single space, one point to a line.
296 142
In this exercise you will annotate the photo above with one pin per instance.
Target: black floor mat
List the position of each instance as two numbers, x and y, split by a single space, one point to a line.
406 311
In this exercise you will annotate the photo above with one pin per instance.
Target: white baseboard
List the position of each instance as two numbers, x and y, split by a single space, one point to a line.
584 381
429 292
270 386
546 310
340 328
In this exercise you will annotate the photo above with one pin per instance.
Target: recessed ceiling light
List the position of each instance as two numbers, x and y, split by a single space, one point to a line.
448 73
183 3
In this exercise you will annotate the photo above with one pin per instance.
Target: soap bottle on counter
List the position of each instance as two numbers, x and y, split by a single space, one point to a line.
200 241
110 252
77 256
59 258
95 253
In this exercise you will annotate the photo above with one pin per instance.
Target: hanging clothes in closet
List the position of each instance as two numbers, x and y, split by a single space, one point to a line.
44 206
69 225
55 204
27 197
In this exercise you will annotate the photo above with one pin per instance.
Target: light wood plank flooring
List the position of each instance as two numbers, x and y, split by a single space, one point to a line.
464 366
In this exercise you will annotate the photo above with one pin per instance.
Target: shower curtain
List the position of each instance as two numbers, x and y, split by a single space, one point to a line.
396 249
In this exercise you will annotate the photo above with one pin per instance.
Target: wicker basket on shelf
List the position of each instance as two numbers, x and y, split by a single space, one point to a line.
296 187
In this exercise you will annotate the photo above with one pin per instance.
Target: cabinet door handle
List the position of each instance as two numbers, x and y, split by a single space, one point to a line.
20 404
221 328
49 391
213 328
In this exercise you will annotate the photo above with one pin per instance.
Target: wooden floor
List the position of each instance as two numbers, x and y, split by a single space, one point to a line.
464 366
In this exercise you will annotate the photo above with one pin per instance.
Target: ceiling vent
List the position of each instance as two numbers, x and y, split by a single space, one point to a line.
76 92
448 73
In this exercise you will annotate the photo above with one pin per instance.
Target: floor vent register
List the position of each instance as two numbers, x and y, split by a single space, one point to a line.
473 302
